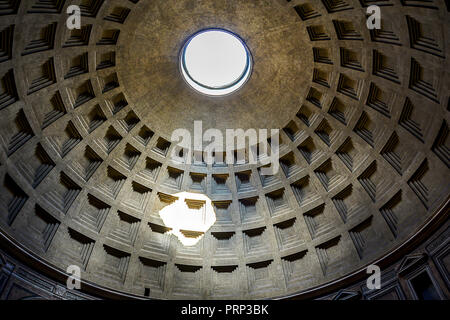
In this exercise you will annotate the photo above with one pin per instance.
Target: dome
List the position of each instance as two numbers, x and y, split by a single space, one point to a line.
87 123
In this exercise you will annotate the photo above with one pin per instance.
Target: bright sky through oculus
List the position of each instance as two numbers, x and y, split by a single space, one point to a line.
215 62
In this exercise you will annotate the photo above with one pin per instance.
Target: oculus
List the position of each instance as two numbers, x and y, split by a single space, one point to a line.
215 62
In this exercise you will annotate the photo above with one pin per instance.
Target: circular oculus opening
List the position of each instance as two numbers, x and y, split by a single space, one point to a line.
215 62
